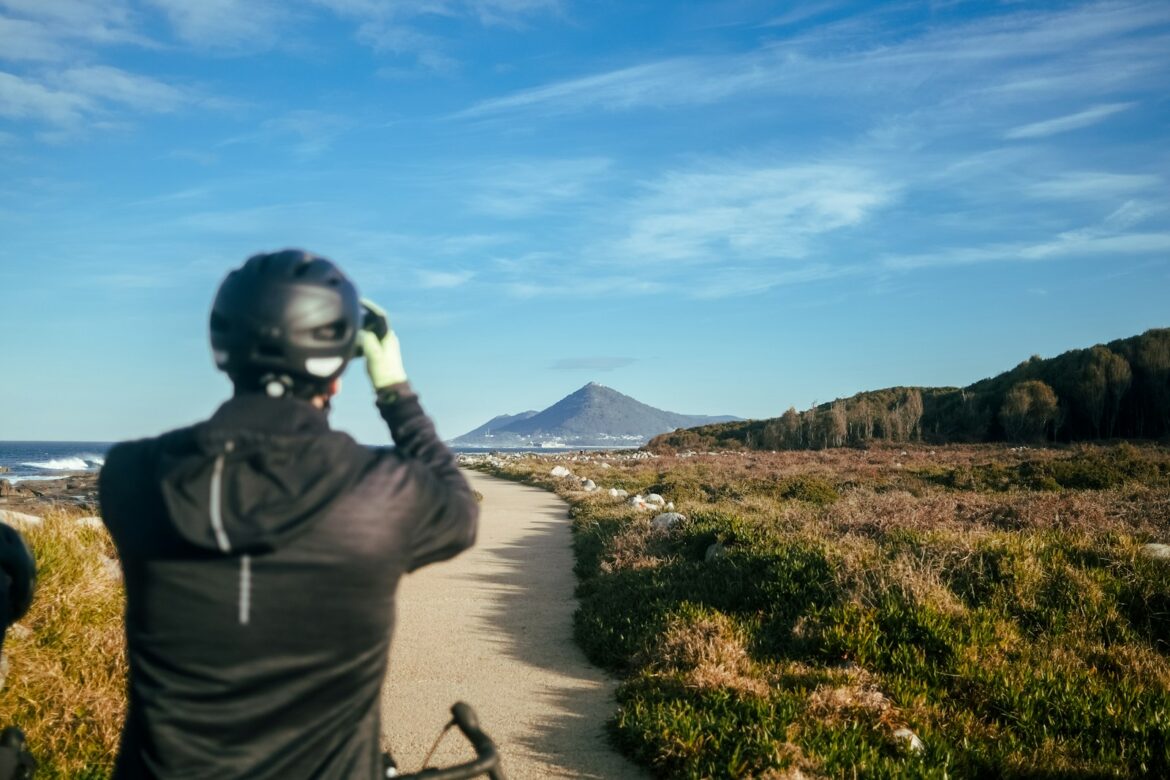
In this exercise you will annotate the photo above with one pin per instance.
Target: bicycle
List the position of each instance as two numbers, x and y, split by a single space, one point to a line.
487 758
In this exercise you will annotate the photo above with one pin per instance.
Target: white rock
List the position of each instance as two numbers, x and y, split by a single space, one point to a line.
715 550
589 485
667 521
1157 551
19 518
606 466
909 740
654 498
111 568
617 493
90 522
669 506
560 471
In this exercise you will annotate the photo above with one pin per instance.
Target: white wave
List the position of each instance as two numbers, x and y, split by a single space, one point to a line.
59 464
14 478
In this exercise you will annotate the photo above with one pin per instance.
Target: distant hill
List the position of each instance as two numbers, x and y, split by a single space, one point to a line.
595 415
1115 390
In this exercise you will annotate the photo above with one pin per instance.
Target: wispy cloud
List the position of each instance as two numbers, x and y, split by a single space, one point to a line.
22 98
398 28
738 213
854 58
50 30
443 280
225 24
523 188
1077 243
307 133
1068 122
111 85
75 96
598 363
1095 184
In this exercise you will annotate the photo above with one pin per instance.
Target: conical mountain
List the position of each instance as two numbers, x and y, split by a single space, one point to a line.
595 414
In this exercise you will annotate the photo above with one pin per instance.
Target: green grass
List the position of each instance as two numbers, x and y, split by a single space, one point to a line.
994 601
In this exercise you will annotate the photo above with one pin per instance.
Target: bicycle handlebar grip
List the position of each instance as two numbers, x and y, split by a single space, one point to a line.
468 722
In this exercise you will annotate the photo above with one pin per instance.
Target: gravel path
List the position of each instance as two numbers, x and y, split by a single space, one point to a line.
493 627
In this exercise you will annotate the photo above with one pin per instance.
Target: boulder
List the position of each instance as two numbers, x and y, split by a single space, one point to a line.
637 502
19 518
4 469
714 551
560 471
1157 551
617 493
5 488
655 499
589 485
909 740
111 568
667 521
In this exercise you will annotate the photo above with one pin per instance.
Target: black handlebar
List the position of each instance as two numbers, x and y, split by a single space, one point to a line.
487 759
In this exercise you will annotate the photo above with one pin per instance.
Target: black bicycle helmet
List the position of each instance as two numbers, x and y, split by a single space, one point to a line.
285 322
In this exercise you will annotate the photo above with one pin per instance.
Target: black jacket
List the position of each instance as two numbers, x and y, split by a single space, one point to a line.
261 553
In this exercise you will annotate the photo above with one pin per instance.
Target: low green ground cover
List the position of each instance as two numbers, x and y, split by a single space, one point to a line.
813 605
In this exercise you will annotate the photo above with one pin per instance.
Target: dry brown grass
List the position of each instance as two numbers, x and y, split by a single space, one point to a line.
65 685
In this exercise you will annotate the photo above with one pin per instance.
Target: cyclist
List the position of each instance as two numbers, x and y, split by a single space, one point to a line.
262 550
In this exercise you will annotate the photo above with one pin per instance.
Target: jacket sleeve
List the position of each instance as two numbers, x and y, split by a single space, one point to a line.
446 512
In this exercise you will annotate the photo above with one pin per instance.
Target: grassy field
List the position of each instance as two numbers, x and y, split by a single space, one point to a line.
967 611
66 659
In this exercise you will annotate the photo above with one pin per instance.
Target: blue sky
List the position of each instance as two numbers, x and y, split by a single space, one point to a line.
718 208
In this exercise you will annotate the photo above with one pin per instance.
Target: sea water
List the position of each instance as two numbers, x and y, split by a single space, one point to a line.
41 460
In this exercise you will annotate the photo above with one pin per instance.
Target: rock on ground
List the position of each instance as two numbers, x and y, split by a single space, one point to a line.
667 521
19 518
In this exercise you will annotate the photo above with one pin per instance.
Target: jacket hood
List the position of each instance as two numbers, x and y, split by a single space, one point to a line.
254 475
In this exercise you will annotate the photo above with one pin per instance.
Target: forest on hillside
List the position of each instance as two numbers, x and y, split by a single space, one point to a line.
1115 390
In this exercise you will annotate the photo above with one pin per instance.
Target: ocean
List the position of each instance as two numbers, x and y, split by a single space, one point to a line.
40 460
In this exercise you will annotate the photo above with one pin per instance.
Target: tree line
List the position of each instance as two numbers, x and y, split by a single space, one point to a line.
1115 390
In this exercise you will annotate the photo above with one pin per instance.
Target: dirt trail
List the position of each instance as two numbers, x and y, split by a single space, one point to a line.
493 627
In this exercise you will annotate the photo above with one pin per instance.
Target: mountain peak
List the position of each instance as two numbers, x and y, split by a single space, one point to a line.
592 414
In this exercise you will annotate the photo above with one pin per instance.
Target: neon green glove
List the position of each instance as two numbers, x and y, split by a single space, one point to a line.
383 355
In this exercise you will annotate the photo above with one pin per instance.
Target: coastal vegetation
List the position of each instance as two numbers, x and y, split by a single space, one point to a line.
66 665
1120 389
961 611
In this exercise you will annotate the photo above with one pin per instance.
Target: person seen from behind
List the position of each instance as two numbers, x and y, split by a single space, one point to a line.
261 550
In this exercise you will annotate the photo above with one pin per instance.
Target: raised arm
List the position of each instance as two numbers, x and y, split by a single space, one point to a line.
446 510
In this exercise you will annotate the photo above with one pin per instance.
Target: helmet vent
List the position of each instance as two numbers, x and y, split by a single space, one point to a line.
334 331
